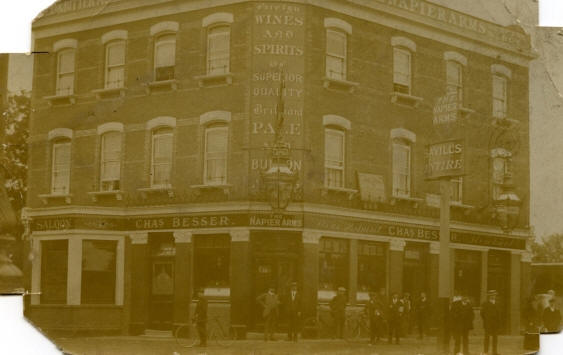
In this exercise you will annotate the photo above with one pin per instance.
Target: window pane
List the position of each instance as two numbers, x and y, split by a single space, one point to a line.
165 48
116 54
65 84
61 168
211 261
334 147
336 43
66 61
218 50
371 266
401 169
162 157
216 155
333 264
54 266
98 271
401 67
111 156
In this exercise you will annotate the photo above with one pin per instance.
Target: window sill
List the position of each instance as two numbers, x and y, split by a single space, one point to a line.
465 112
106 93
349 192
97 194
208 80
339 84
405 99
69 99
504 123
226 188
161 85
145 191
415 201
46 197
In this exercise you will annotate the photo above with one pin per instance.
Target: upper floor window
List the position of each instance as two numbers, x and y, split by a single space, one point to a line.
60 170
115 65
401 169
164 57
501 76
110 169
336 48
65 71
499 96
161 159
215 160
218 50
334 157
454 79
457 189
402 64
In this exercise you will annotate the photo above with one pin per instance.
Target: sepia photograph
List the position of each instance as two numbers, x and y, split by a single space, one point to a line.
285 177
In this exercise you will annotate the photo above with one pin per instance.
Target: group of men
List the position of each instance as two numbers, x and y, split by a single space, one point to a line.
271 302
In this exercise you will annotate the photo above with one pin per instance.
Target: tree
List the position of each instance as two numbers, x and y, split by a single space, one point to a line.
549 250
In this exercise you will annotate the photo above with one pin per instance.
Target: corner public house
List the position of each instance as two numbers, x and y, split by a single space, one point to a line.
149 140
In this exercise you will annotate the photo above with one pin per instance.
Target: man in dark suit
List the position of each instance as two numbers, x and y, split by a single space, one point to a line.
270 303
201 318
461 323
422 313
551 318
395 309
338 309
374 311
293 306
491 315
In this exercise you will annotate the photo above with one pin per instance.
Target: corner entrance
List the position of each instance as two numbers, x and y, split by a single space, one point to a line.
162 281
276 260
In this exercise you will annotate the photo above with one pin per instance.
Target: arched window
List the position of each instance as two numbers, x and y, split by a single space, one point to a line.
65 71
402 64
60 169
161 157
218 49
215 154
164 56
110 162
336 50
454 79
115 64
501 75
401 168
335 143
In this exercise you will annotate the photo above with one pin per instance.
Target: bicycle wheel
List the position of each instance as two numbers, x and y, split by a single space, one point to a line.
224 337
186 335
352 330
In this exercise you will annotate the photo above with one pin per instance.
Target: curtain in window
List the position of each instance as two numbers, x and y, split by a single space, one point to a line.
111 160
65 74
335 55
115 62
216 155
218 50
165 57
61 168
402 70
334 158
401 170
162 157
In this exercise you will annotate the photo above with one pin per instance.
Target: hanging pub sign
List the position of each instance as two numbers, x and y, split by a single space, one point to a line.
445 159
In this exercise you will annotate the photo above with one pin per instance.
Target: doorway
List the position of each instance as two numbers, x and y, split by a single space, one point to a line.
162 282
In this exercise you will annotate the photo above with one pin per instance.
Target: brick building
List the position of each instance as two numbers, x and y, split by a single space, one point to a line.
150 135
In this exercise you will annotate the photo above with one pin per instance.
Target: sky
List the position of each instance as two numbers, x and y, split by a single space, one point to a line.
546 102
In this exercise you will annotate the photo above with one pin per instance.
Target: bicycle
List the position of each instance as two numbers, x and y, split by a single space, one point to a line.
322 325
187 335
356 326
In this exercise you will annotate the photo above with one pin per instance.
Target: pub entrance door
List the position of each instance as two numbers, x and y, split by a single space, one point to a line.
276 263
162 282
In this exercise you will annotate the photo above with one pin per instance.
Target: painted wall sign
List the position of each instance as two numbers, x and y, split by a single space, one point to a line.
446 109
372 187
445 159
488 240
470 24
74 5
276 220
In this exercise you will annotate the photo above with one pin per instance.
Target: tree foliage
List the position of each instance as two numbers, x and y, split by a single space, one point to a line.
14 131
549 249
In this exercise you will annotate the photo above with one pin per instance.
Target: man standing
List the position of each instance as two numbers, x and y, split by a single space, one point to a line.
462 323
270 303
338 309
490 313
396 310
551 318
293 305
422 313
200 316
374 312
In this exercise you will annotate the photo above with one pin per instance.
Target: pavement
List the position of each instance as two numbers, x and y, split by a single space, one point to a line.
508 345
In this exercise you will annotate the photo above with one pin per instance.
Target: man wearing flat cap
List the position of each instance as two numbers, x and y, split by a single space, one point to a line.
270 303
491 315
293 307
338 309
